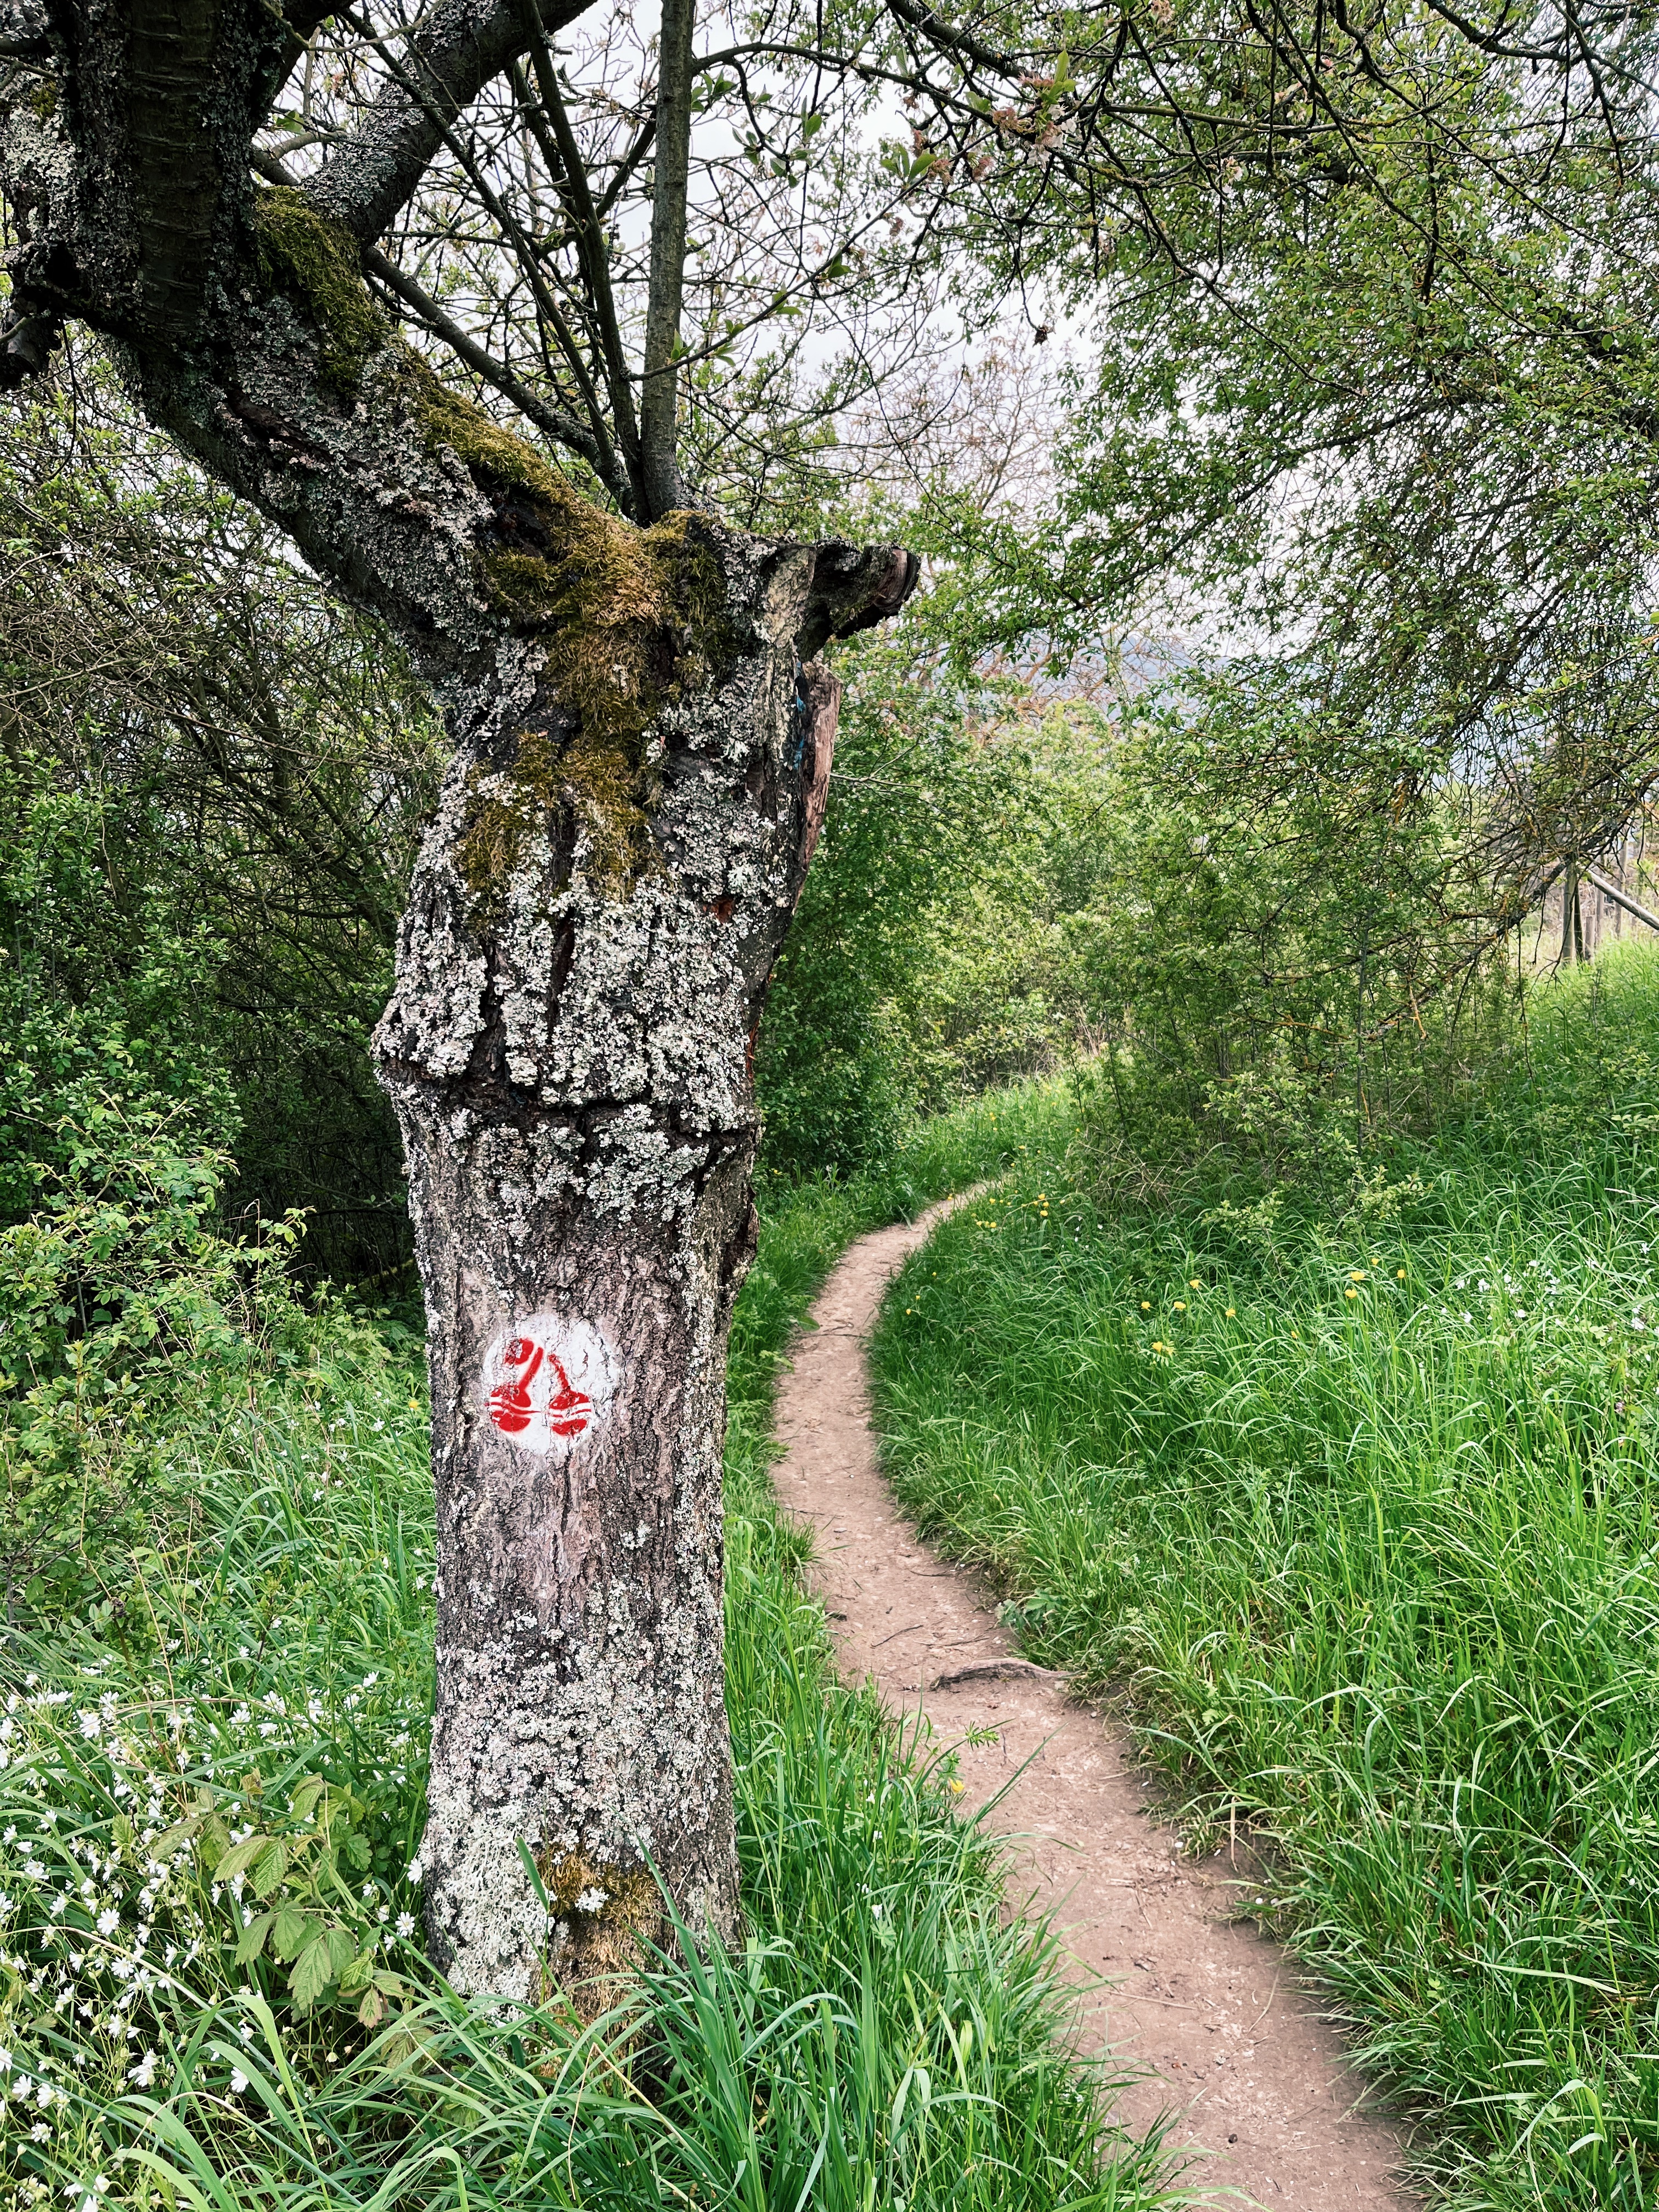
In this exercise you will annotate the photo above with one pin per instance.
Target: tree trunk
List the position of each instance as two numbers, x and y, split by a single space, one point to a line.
570 1053
642 737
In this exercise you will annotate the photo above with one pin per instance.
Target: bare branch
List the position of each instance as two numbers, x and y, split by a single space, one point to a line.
570 175
659 393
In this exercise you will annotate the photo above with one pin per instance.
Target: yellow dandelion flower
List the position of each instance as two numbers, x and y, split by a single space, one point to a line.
1179 1307
1350 1294
1195 1285
1356 1274
1231 1310
1145 1305
1400 1274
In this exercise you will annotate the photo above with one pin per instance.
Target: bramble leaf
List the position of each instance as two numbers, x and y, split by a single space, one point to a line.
313 1972
359 1973
239 1857
253 1939
272 1866
292 1931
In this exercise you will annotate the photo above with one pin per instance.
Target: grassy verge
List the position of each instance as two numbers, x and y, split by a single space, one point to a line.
1357 1515
881 2040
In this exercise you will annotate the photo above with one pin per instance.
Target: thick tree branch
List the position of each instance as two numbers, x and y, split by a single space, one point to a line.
460 51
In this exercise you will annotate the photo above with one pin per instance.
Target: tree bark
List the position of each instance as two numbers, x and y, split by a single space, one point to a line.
643 733
570 1051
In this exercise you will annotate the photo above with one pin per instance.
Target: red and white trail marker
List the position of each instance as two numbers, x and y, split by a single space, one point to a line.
546 1381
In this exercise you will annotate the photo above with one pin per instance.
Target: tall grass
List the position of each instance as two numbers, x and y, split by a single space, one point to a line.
879 2040
1356 1515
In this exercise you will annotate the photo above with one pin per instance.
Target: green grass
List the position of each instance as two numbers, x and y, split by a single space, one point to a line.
881 2040
1358 1516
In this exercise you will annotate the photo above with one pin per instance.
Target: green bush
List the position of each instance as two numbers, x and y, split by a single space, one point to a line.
1290 966
125 1313
101 996
929 958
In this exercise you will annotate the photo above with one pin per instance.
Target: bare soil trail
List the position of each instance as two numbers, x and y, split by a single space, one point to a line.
1229 2036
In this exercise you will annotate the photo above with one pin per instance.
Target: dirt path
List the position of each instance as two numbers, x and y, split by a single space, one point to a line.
1215 2010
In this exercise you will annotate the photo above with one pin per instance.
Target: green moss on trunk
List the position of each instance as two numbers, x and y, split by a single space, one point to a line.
315 264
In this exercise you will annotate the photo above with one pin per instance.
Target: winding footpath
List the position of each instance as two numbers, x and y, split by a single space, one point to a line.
1230 2042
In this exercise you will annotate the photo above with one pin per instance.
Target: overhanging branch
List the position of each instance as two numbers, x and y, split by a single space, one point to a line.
376 171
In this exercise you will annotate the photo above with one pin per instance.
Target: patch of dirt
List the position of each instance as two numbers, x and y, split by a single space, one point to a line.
1229 2035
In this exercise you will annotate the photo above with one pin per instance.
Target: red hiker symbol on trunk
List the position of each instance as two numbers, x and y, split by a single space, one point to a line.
542 1380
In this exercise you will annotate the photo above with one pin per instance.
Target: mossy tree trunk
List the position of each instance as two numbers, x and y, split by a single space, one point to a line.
641 733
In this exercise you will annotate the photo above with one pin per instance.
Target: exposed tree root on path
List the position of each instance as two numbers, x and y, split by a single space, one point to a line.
1231 2037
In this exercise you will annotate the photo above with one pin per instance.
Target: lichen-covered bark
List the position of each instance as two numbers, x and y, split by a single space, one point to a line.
642 734
571 1059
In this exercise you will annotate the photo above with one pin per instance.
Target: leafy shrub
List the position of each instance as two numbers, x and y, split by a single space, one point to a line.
102 997
929 958
124 1312
1289 966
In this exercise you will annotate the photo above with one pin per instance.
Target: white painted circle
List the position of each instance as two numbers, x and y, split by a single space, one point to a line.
546 1382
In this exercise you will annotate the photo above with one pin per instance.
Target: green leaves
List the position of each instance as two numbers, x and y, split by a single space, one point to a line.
290 1931
253 1938
316 1927
321 1962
